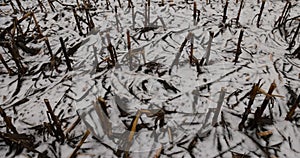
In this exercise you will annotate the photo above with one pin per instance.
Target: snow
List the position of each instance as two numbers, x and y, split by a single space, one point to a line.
194 96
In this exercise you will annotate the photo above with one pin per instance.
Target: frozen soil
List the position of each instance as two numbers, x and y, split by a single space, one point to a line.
148 98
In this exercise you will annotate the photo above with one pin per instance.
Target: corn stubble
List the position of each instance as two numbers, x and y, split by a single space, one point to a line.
24 141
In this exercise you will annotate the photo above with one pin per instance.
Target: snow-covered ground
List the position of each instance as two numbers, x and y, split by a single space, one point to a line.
176 101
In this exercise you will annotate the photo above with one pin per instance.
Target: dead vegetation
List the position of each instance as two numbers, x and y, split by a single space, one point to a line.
16 37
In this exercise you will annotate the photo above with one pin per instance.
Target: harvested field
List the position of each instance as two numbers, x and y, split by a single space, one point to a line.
107 78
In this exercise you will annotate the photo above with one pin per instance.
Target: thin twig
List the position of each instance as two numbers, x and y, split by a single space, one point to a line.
74 153
219 105
55 120
211 35
291 112
49 47
176 60
292 43
195 13
225 12
77 22
130 5
20 6
77 121
260 12
9 70
65 54
259 111
8 122
252 94
42 7
239 13
238 49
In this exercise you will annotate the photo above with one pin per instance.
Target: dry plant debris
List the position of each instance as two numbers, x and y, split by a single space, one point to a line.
149 78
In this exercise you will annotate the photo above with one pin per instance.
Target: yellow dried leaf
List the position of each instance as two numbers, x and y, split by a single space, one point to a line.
265 133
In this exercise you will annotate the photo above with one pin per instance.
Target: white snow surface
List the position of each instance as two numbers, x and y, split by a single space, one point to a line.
264 56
